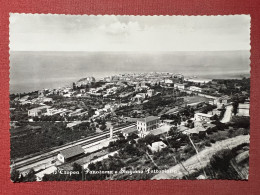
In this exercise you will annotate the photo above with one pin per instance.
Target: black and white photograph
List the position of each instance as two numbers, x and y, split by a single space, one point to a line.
124 97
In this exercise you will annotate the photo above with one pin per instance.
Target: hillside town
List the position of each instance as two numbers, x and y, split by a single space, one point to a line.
155 125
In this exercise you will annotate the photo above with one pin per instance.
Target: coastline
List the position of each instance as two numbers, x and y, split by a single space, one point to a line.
27 87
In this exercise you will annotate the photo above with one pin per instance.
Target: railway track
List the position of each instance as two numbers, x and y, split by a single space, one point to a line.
53 153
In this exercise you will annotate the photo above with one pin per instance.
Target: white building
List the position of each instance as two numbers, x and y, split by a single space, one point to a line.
85 81
76 112
157 146
138 98
67 90
38 111
110 108
47 171
69 153
168 81
222 101
150 92
243 109
73 124
24 98
202 117
53 111
179 85
67 94
44 99
196 89
146 124
82 90
93 90
99 112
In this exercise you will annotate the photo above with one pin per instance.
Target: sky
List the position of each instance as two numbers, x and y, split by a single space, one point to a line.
51 32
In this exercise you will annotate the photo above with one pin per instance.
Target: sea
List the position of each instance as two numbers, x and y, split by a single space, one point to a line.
36 70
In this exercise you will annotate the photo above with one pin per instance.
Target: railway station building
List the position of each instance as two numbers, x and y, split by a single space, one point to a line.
70 153
147 124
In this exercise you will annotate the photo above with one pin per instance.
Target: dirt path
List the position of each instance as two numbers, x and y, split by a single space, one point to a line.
228 114
192 164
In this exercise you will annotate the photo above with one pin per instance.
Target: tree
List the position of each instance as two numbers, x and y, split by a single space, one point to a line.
221 160
150 138
92 166
221 165
235 107
15 175
30 176
132 136
215 117
77 169
190 124
121 136
241 122
74 86
103 127
174 133
131 150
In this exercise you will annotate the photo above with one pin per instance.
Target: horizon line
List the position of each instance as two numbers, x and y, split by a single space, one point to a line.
127 51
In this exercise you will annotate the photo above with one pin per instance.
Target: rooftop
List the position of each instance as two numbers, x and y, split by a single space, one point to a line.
180 84
129 130
225 97
46 171
74 123
160 130
195 87
182 128
203 114
243 106
148 119
168 120
208 125
40 108
158 144
72 151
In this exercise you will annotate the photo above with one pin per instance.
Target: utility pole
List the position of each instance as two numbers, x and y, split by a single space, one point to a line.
197 154
111 133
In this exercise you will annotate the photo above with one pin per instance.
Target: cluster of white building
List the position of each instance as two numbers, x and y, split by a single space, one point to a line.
39 100
48 111
109 108
85 81
222 101
140 97
107 89
152 78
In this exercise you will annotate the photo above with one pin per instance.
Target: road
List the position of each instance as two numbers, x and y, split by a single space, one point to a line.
41 159
228 114
193 164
